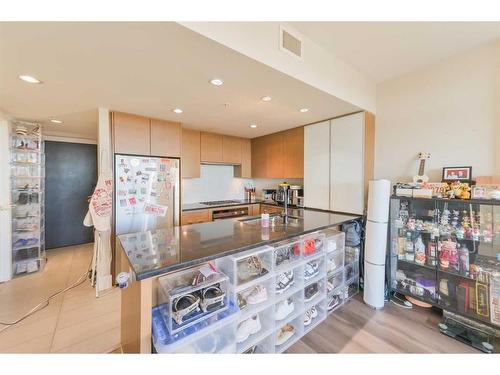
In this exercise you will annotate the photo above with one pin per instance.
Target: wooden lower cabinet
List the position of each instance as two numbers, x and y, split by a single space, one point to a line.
270 208
195 217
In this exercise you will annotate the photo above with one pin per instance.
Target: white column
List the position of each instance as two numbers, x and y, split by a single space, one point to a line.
104 140
5 201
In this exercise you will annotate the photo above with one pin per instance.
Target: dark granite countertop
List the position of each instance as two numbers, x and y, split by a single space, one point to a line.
160 251
237 202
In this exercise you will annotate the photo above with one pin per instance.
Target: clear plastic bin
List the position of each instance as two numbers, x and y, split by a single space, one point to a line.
22 198
313 298
25 170
351 288
283 286
22 143
334 261
320 315
319 265
28 224
27 266
21 240
351 270
198 303
26 254
335 240
250 338
29 211
313 243
298 324
214 335
336 279
251 299
286 254
351 254
296 298
335 299
241 268
265 346
25 157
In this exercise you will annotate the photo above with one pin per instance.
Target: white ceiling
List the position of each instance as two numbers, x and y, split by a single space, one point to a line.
147 69
384 50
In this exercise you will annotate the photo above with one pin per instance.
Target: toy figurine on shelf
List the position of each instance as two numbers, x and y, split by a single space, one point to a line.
459 190
466 225
420 255
448 255
454 220
463 255
404 212
411 224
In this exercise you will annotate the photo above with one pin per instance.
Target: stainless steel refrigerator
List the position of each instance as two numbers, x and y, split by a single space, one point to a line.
147 193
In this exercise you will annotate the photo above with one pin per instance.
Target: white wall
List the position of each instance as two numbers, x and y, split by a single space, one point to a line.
448 109
216 183
5 212
318 68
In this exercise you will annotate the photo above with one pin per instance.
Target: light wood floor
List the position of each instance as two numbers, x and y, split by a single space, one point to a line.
357 328
75 322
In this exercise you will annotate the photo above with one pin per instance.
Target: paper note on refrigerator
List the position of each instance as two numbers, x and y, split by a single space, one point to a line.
156 209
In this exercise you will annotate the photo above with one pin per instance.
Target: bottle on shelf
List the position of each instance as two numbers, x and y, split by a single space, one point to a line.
463 256
431 253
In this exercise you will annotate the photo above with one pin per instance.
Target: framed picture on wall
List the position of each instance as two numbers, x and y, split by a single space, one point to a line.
457 174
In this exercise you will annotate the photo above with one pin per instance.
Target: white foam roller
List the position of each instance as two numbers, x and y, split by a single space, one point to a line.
375 242
374 284
379 194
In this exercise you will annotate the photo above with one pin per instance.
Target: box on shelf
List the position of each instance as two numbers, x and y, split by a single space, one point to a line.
314 315
334 261
313 243
289 306
214 335
287 281
254 297
335 240
314 268
351 288
286 254
246 268
254 328
192 295
335 280
265 346
287 334
335 298
351 270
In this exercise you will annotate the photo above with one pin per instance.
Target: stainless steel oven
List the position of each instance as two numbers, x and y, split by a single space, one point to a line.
229 213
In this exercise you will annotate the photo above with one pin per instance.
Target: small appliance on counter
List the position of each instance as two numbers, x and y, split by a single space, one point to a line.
267 195
295 195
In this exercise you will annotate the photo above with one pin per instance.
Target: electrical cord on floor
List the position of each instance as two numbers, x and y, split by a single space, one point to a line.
46 302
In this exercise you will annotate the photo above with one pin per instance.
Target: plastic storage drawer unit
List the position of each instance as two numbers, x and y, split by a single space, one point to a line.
286 254
313 243
246 268
192 295
214 335
335 240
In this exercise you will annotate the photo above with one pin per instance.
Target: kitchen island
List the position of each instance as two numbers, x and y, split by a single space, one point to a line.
149 256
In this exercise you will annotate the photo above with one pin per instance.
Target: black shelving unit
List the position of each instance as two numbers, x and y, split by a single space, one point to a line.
443 252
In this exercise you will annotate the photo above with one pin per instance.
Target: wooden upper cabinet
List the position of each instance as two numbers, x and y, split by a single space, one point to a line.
244 170
231 149
165 138
211 147
258 156
190 157
131 134
293 148
275 156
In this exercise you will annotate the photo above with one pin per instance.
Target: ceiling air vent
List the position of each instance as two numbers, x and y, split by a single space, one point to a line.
290 43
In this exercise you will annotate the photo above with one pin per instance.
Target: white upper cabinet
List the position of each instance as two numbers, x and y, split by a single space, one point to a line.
317 165
347 164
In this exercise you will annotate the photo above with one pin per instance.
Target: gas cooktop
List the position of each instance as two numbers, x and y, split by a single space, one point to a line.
219 203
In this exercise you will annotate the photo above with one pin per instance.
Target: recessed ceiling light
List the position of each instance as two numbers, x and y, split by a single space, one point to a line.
29 79
253 126
216 82
266 98
55 121
303 110
177 110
